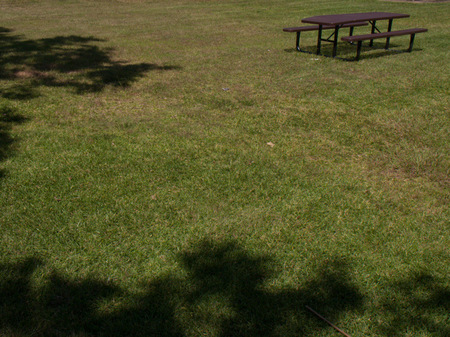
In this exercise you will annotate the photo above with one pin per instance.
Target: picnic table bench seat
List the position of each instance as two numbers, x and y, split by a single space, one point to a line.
359 38
300 29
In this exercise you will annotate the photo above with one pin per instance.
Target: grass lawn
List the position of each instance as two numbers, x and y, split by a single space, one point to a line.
176 168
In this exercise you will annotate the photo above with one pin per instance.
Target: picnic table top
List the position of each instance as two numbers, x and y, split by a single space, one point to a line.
338 19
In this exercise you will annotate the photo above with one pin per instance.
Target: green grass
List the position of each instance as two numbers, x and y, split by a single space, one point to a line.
174 168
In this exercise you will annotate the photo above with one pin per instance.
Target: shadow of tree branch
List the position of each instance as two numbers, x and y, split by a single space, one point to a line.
223 293
62 61
420 303
8 117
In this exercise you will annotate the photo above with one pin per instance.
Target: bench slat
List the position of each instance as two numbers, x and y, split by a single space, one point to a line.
298 30
360 38
355 38
316 27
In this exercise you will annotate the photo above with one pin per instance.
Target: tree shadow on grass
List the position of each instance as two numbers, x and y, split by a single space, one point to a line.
54 307
221 290
8 117
223 293
63 61
227 272
421 304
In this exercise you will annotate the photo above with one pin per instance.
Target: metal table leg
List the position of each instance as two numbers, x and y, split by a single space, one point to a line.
335 41
374 25
319 39
388 38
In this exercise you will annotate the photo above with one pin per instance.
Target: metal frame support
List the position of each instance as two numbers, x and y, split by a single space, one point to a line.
372 32
388 39
297 42
319 39
374 28
335 41
358 50
351 31
411 42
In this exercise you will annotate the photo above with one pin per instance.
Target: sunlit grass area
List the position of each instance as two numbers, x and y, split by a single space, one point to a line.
176 168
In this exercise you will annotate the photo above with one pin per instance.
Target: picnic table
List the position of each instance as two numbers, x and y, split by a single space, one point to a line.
338 21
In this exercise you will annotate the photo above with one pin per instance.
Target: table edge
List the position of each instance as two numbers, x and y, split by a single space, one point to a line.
386 16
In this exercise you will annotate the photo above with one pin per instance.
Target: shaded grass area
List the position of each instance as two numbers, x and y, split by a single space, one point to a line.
8 118
193 176
222 293
62 61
